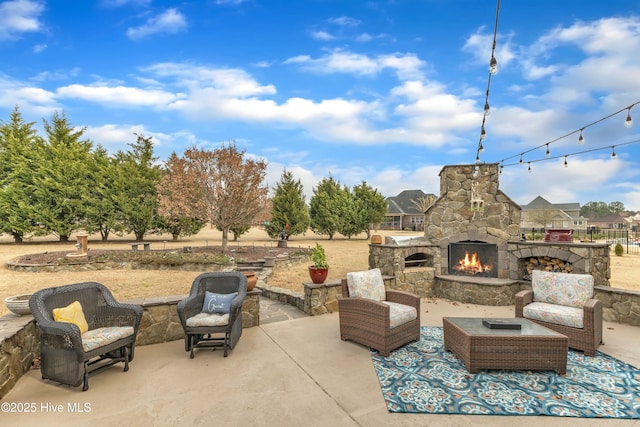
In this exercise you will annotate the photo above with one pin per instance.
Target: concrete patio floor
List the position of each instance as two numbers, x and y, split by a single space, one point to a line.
290 373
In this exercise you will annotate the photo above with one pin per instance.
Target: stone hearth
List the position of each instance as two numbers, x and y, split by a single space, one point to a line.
472 209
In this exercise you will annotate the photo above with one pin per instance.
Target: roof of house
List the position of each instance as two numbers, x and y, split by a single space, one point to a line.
540 203
402 204
614 218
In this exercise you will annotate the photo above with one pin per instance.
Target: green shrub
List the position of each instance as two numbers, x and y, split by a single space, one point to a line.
619 250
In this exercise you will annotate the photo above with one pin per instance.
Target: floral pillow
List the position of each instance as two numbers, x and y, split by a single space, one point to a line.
366 284
571 290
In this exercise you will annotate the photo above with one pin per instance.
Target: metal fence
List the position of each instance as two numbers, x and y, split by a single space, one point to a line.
629 239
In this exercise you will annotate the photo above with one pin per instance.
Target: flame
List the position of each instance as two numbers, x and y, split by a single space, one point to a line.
472 265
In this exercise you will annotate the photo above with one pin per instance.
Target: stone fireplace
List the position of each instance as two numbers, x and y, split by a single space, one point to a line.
472 251
475 259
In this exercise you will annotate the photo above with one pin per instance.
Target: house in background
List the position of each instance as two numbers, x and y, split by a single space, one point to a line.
403 213
616 221
540 213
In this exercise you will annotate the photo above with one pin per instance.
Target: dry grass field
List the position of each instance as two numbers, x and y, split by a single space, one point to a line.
343 255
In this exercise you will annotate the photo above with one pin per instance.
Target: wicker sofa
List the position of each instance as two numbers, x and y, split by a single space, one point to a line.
370 318
69 355
563 302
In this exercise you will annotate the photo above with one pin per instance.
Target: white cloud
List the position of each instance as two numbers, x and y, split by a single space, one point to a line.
118 95
18 17
170 22
406 65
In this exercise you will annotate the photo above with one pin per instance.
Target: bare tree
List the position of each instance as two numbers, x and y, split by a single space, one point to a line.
233 186
423 203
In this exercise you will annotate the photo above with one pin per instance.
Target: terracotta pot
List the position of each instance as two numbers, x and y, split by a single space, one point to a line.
376 239
318 275
252 279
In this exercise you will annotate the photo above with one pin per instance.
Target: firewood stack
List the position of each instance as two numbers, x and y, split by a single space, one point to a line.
547 264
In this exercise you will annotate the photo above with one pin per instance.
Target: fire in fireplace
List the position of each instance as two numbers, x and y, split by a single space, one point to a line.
470 258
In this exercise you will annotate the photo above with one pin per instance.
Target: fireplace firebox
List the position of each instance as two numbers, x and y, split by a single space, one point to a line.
472 258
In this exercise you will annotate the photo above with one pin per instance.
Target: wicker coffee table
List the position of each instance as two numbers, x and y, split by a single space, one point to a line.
533 347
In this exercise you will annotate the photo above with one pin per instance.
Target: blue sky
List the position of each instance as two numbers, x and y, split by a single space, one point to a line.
382 91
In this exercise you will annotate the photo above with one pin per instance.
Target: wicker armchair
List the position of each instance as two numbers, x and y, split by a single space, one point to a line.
551 310
69 356
203 329
368 321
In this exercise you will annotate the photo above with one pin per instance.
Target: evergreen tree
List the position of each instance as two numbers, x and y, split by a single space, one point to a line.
20 148
355 218
61 179
288 208
375 205
135 188
327 207
101 213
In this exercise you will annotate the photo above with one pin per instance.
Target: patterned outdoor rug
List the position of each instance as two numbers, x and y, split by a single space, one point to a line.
424 378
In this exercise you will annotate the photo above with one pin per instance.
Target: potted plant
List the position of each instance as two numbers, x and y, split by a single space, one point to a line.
319 270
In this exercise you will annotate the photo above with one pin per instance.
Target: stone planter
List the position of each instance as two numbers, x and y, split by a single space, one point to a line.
19 304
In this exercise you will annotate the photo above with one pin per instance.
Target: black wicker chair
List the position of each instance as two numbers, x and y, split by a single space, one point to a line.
198 335
62 356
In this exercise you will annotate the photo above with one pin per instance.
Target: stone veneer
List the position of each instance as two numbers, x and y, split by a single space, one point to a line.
472 207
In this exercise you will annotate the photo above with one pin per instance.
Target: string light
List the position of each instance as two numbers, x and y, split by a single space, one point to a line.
628 121
493 65
566 163
493 69
529 167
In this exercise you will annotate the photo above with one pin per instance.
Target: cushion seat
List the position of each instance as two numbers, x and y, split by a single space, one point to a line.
556 314
208 319
99 337
399 314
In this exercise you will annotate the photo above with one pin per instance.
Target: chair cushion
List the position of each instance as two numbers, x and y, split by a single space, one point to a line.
208 319
572 290
399 314
99 337
218 303
72 314
366 284
554 313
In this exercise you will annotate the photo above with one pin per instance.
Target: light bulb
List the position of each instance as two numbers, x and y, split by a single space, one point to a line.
487 109
613 152
520 159
493 65
483 134
529 167
481 148
566 165
501 168
580 138
548 153
628 121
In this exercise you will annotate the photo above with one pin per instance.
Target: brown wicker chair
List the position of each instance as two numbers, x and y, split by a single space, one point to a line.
587 338
209 336
62 357
367 321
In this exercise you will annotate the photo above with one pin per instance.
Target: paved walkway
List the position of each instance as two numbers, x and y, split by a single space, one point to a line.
274 311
